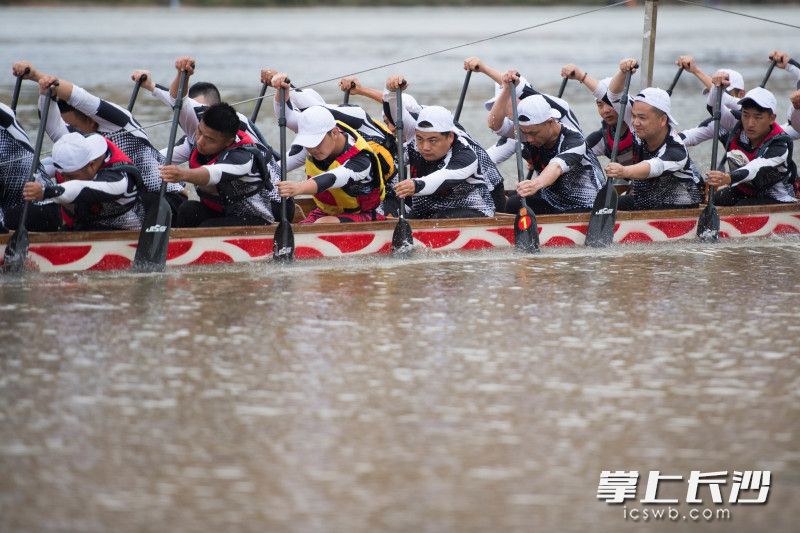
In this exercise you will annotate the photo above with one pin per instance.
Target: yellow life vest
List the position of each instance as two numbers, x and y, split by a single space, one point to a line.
384 151
338 201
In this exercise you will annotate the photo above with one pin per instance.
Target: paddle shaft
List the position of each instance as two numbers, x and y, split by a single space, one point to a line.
462 96
260 100
401 156
623 104
715 146
173 131
768 74
282 126
675 81
518 138
37 150
17 87
135 92
563 87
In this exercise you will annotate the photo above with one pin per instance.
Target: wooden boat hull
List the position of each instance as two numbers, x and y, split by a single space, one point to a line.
113 250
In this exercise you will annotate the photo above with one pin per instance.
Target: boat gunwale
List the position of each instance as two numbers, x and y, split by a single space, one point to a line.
502 219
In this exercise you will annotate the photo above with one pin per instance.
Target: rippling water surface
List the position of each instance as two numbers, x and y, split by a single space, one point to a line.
445 393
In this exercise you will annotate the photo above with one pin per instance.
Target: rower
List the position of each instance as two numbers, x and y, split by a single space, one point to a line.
569 175
16 158
705 130
199 97
663 174
78 110
374 132
229 169
601 141
343 173
97 183
448 177
759 153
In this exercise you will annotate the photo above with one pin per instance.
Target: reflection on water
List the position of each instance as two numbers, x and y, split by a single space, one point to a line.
441 394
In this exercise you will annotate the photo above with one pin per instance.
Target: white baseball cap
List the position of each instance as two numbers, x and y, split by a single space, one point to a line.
736 79
73 151
762 98
435 118
305 98
535 110
312 125
657 98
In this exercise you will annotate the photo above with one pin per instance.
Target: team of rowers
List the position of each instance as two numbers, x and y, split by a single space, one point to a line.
104 171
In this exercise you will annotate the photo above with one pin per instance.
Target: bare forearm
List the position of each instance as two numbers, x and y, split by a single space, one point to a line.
498 112
639 171
372 94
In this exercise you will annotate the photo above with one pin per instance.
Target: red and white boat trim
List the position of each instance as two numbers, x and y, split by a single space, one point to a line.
64 252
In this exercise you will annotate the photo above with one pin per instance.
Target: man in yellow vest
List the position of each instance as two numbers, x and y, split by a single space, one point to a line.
344 175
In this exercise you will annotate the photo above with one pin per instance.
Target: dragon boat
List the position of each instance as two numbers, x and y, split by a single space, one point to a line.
114 250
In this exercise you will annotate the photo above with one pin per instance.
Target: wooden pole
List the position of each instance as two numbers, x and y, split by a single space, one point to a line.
649 42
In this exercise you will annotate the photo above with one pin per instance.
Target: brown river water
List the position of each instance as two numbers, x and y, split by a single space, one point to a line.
474 392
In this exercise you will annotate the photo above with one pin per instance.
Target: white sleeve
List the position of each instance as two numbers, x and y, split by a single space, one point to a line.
434 180
73 188
506 129
409 124
55 127
163 96
188 118
500 153
697 135
794 119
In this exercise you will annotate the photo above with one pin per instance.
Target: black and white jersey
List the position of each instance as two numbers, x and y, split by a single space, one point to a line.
581 176
453 182
769 171
117 125
108 201
457 181
236 182
674 179
16 158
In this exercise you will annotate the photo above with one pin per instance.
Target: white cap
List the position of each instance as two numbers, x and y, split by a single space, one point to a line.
73 151
435 118
657 98
535 110
305 98
762 98
736 79
312 125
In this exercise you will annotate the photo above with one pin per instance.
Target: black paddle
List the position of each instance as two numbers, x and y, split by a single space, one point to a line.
769 73
526 231
257 108
463 95
708 222
151 251
135 92
17 87
346 99
283 244
17 246
563 87
604 210
402 238
675 81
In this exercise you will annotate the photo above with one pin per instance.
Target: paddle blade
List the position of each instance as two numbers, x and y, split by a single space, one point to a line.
526 231
16 252
603 218
283 246
402 238
708 224
151 252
